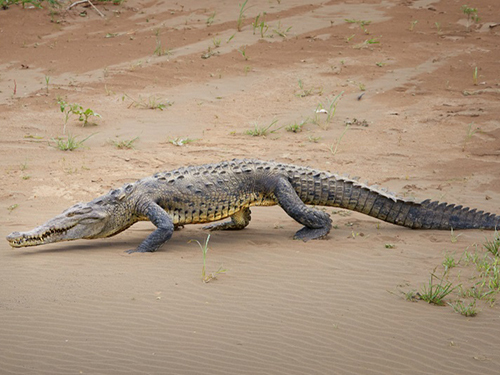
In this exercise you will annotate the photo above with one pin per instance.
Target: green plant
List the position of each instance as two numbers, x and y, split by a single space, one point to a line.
493 246
454 237
243 51
438 27
70 143
241 16
262 131
152 102
435 293
12 207
280 31
181 141
466 310
413 24
125 144
449 262
211 19
76 109
334 150
389 246
330 107
159 50
260 24
306 92
470 132
47 80
471 14
204 276
474 76
295 127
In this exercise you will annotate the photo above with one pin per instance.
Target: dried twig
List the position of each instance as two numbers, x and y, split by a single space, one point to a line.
86 1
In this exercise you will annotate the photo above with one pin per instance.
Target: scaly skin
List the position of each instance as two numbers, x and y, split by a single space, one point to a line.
213 192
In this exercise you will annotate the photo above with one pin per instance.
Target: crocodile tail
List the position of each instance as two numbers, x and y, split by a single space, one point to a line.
332 190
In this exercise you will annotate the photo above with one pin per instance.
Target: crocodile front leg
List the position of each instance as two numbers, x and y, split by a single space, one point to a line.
317 224
239 220
164 229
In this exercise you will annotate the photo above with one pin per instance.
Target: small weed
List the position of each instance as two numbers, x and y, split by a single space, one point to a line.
411 296
334 150
389 246
76 109
313 139
181 141
243 51
307 92
126 144
330 107
47 80
469 134
262 131
413 24
260 24
454 237
471 14
12 207
435 293
474 76
295 127
241 16
230 38
449 262
70 143
211 19
493 246
159 50
438 27
216 42
206 278
466 310
152 102
279 30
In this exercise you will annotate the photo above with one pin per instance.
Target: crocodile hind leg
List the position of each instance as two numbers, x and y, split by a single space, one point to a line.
239 220
317 224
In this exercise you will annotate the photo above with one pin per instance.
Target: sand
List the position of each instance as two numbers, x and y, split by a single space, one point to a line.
333 306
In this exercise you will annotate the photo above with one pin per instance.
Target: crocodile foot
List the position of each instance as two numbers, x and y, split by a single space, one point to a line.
306 234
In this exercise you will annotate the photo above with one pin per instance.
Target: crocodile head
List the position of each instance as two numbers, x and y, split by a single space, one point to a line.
95 219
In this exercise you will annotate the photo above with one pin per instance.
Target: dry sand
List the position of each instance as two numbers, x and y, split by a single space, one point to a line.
283 307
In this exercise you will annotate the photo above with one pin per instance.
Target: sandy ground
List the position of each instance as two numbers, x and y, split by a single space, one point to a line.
426 126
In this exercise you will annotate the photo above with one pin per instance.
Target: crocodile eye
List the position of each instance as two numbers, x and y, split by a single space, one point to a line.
82 211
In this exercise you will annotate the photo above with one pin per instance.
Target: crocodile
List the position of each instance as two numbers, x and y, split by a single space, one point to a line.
212 192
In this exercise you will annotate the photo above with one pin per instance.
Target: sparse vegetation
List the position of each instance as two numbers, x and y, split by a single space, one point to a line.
204 276
241 16
211 19
71 143
181 141
469 133
436 292
469 309
334 150
152 102
125 144
482 282
303 92
160 50
262 131
471 14
76 109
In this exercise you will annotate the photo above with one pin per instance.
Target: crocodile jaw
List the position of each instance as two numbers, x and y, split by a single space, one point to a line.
39 236
78 222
